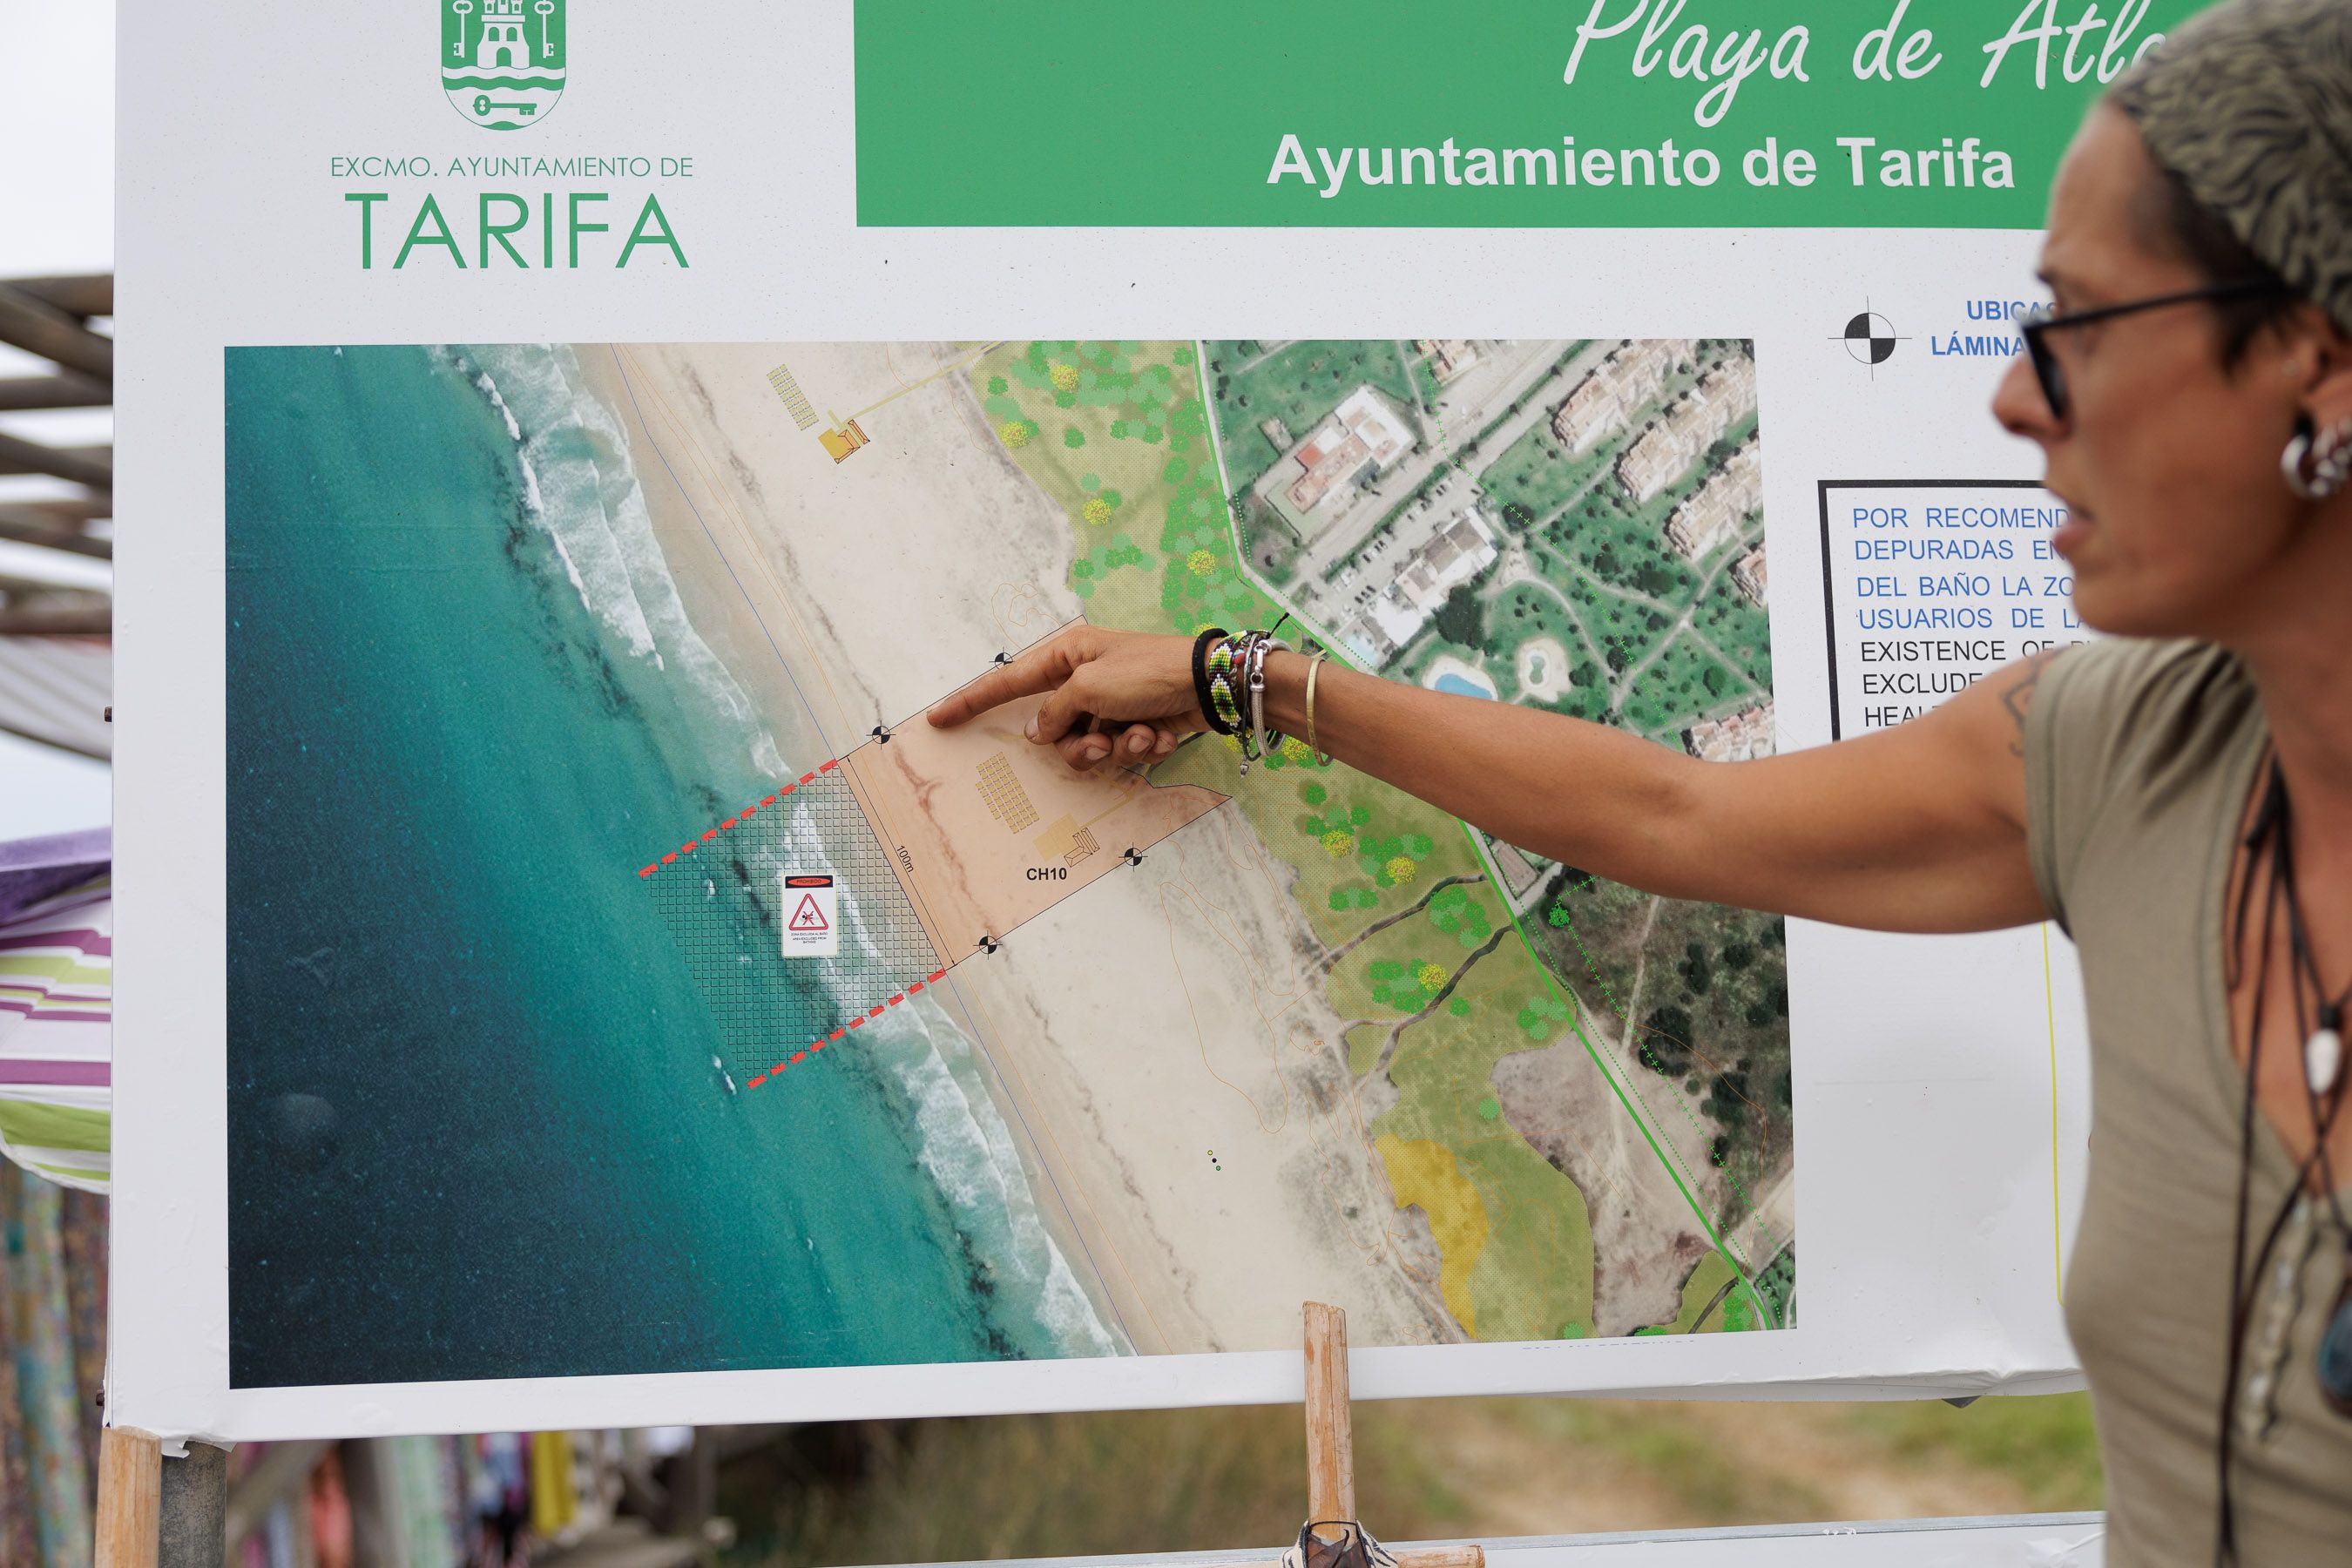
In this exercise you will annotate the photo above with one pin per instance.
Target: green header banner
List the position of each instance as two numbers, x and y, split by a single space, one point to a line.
1482 113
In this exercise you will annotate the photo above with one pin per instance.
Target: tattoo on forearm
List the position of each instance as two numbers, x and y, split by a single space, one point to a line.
2019 694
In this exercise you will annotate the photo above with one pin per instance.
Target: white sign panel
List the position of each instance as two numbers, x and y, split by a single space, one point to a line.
566 980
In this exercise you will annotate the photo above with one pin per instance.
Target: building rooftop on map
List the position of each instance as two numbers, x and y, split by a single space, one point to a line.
841 440
1715 511
1363 433
1606 401
1458 552
1735 738
1748 572
1448 357
1689 425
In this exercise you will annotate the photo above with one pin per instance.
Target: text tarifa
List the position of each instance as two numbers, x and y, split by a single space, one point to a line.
510 231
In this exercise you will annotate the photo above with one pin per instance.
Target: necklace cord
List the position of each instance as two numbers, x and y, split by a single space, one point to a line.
2272 829
2225 1543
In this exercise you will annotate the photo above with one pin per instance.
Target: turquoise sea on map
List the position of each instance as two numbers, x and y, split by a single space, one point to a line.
474 1126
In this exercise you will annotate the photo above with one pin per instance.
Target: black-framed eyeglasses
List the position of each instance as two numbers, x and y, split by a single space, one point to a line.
2035 327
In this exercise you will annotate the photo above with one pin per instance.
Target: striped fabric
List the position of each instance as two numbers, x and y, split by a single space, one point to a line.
57 988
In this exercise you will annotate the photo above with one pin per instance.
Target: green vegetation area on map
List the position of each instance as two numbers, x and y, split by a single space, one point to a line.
1713 1301
1703 992
1651 641
1421 958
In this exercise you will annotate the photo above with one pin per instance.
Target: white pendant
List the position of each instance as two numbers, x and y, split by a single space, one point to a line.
2323 1059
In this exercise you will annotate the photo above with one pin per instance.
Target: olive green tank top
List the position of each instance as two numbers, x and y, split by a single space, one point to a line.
2140 756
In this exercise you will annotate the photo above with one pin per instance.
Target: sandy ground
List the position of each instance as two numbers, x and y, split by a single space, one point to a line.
1798 1457
1188 1117
988 830
1645 1240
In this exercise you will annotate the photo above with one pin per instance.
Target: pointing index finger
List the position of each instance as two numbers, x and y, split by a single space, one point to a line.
1039 669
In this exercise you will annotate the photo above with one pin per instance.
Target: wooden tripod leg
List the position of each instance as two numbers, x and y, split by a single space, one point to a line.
129 1497
1330 1434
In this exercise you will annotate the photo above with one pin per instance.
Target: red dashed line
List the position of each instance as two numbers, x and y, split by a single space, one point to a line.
691 845
823 1040
936 976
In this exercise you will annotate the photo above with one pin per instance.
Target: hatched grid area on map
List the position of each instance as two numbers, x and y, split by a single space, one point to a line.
724 903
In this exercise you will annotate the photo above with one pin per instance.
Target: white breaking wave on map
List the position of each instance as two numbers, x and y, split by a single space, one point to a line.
962 1141
969 1151
582 488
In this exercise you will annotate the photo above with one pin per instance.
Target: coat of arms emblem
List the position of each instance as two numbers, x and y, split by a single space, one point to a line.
503 60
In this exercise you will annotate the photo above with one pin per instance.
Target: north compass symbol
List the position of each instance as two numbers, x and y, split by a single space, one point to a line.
1871 338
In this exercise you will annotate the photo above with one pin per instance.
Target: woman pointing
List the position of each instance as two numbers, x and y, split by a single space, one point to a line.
2178 796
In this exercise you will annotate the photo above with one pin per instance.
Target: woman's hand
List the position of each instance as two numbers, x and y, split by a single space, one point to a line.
1110 696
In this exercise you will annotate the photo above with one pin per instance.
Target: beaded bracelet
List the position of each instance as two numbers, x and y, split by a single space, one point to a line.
1201 646
1223 677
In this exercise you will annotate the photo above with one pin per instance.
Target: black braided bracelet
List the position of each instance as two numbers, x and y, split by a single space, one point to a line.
1201 646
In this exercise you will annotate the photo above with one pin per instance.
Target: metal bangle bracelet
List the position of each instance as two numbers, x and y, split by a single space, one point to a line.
1261 645
1315 667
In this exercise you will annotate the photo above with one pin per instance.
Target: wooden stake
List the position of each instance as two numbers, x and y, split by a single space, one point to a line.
129 1497
1330 1433
1331 1442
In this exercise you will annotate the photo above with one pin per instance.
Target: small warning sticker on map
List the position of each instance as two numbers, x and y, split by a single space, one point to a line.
812 920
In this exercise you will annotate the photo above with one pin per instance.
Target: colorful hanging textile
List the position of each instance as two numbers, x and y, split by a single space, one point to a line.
331 1513
84 1238
43 1342
56 990
20 1546
553 1504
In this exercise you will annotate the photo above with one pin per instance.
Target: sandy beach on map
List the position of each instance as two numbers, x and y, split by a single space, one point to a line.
1160 1041
988 831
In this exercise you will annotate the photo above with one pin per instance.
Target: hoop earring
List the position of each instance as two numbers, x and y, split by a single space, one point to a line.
2328 456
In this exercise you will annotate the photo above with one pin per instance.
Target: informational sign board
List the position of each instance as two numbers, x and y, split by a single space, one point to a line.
566 980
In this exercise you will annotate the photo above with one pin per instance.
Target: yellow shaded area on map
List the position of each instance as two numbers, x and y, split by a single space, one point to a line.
1425 1174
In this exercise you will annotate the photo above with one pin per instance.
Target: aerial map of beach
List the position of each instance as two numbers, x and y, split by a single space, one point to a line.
624 978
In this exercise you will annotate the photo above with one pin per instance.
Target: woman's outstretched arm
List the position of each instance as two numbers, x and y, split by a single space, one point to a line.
1921 828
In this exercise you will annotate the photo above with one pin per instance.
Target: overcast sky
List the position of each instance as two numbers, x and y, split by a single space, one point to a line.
56 215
